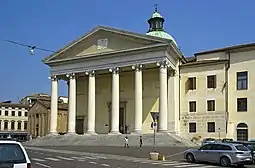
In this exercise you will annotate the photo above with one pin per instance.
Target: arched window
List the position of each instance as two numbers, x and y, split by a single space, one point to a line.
242 132
19 125
12 125
6 124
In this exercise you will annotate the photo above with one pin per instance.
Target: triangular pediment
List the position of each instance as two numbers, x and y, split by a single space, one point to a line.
104 40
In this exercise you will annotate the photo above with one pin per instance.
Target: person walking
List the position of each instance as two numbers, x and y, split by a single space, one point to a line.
141 142
126 142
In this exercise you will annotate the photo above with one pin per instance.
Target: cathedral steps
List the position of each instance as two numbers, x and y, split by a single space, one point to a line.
161 139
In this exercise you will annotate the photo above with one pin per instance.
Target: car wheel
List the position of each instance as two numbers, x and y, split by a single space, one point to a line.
225 162
190 158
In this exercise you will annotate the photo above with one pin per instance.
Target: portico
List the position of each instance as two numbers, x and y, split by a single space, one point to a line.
119 81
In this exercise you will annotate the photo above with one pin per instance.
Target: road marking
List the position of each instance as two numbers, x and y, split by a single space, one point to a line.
53 159
37 159
172 164
43 165
87 157
78 158
106 165
81 160
191 165
209 166
64 158
92 162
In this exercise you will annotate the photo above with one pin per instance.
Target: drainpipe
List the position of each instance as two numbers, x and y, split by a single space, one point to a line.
227 66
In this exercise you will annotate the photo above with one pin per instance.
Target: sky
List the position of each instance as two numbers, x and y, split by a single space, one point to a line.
196 25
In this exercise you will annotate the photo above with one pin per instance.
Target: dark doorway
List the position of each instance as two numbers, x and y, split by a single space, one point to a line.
122 120
242 132
79 126
37 130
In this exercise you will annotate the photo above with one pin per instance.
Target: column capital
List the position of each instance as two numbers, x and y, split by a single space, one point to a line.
71 75
137 67
165 63
53 78
90 73
114 70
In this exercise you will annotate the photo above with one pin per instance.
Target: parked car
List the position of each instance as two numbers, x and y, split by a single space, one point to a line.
225 154
208 140
13 154
249 144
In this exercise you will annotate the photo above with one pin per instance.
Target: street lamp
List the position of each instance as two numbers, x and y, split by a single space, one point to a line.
31 48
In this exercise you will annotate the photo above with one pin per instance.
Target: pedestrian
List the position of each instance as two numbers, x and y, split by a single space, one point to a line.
141 142
126 142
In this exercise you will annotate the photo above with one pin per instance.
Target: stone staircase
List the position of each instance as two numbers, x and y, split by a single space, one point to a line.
161 139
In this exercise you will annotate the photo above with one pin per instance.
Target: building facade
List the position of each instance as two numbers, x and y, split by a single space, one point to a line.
39 117
121 82
13 120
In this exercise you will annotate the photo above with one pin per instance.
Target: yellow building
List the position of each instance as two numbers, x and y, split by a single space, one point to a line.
39 117
13 120
121 81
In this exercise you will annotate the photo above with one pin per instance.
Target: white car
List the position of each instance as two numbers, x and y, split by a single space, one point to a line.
13 155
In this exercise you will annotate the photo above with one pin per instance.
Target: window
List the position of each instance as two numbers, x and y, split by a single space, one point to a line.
6 113
19 125
242 80
241 104
206 147
210 105
192 127
192 83
25 125
241 148
210 126
12 125
13 113
192 106
25 114
5 125
19 113
211 81
11 153
221 147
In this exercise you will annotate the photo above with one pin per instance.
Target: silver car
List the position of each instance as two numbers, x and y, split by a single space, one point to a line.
225 154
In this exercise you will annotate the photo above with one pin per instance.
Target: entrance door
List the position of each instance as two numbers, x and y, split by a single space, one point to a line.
122 120
79 126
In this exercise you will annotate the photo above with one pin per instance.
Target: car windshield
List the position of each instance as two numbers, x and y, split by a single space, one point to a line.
241 148
11 153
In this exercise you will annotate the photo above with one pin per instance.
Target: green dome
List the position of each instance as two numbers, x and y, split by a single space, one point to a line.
156 15
162 34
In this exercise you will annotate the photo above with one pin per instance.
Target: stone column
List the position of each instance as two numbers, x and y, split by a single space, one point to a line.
71 105
43 125
91 103
40 125
115 101
54 106
138 98
162 127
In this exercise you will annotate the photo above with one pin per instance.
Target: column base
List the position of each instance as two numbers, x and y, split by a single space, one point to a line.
114 133
52 134
71 134
137 132
90 133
